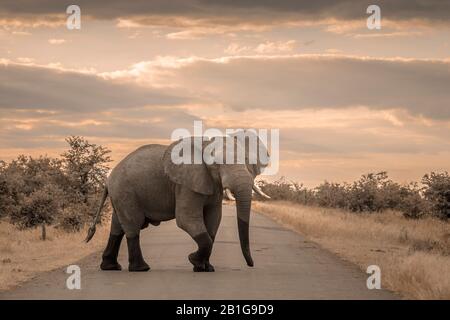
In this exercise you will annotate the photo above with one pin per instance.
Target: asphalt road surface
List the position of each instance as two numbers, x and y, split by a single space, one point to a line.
287 266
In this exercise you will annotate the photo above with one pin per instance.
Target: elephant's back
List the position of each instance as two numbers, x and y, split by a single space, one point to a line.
140 175
147 158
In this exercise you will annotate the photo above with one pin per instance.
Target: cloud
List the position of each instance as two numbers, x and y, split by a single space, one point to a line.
225 12
136 123
388 34
21 33
311 81
265 48
40 106
343 132
236 49
346 9
35 87
313 99
270 47
25 60
333 51
56 41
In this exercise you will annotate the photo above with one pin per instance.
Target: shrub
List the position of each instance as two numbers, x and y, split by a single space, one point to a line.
5 200
64 191
333 195
437 191
286 190
37 208
373 192
368 193
73 217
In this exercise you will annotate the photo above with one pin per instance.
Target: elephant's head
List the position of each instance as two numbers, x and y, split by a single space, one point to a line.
223 163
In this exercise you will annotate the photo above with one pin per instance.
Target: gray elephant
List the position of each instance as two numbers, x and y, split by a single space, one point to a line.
147 187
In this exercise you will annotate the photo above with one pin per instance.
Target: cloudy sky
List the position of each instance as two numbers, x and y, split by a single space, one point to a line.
347 100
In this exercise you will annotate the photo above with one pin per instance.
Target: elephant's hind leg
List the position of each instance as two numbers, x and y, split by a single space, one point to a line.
109 257
132 219
135 258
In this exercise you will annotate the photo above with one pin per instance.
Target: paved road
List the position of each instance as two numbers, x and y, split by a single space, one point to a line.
287 266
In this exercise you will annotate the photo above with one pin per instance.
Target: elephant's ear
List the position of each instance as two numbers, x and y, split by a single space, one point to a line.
194 176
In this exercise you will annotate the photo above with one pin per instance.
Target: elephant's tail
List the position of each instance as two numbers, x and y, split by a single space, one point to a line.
92 229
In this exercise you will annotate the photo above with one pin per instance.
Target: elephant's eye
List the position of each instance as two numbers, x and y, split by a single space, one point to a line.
255 169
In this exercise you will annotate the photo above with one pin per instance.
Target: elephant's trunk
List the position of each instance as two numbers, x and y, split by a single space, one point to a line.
243 194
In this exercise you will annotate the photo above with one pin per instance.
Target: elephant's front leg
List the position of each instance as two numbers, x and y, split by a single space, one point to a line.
212 216
189 217
200 258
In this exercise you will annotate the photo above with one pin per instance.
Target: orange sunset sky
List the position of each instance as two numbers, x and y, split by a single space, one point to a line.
347 100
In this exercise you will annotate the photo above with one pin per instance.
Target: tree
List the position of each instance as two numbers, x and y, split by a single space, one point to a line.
86 166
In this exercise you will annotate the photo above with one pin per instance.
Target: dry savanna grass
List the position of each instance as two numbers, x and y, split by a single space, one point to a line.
23 254
414 255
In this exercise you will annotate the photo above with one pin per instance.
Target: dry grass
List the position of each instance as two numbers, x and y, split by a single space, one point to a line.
414 255
23 254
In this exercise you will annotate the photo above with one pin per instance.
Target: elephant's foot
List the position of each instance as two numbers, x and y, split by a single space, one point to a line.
200 265
209 267
205 268
110 265
138 267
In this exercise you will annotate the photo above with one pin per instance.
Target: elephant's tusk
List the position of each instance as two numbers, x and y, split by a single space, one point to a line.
229 195
260 192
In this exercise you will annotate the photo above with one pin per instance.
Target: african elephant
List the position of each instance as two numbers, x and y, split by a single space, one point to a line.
148 187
